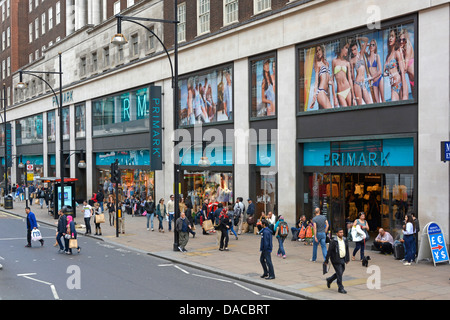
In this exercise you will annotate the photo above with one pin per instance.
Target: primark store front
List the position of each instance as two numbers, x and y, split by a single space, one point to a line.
357 126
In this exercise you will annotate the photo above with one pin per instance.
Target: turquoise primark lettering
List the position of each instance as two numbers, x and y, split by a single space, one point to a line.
356 159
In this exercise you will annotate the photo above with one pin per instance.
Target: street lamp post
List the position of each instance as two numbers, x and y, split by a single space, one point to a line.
22 85
4 101
120 39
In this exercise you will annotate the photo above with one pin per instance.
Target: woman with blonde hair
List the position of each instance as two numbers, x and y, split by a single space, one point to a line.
375 71
408 55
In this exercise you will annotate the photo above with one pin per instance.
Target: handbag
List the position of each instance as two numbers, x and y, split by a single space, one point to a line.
251 220
100 218
36 235
73 244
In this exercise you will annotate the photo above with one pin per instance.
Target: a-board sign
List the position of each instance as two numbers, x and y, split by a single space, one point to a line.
433 244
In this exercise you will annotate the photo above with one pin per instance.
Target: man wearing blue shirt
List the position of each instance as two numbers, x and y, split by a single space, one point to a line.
266 251
31 224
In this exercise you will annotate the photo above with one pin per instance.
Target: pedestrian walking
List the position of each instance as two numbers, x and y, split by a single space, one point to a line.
279 226
97 212
161 213
188 212
339 255
266 250
31 225
71 233
224 227
320 226
150 208
171 210
61 230
251 219
362 222
120 219
87 214
182 225
111 210
239 209
408 237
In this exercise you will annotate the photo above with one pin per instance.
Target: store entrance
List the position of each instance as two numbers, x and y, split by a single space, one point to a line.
385 199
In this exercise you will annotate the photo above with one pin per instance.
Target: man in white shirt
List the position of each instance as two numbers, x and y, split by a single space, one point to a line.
87 212
384 242
171 210
339 255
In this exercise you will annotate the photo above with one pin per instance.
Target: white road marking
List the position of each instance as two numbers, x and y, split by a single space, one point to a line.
52 287
181 269
211 278
248 289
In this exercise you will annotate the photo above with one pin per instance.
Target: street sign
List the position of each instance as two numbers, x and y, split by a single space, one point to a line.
433 244
29 167
437 243
445 151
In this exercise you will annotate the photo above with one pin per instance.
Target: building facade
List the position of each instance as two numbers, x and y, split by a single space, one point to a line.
300 104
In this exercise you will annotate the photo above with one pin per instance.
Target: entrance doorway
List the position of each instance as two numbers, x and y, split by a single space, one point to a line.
385 199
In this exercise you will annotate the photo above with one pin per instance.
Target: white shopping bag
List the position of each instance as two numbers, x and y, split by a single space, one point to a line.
36 235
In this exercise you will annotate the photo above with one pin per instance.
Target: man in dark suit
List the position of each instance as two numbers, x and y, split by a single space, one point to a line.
339 254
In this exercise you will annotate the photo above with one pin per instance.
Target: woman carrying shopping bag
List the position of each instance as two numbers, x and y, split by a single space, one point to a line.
71 236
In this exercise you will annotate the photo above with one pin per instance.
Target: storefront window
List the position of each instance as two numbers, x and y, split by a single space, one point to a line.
80 121
51 126
385 199
206 97
29 130
66 123
379 62
263 87
135 182
122 113
215 186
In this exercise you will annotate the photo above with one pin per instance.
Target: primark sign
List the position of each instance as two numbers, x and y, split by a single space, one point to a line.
357 159
67 97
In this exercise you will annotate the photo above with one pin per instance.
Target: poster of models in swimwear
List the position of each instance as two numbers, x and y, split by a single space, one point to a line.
367 68
206 97
263 87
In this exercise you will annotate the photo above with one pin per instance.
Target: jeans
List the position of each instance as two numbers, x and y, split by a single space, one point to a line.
321 236
87 222
171 215
150 217
266 263
58 239
281 246
359 245
410 248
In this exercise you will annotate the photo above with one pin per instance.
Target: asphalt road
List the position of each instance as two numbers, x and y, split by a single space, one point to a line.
105 272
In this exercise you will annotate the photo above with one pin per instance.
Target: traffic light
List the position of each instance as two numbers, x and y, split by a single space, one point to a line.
115 172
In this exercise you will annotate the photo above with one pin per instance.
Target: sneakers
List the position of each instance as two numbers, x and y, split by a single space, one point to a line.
406 263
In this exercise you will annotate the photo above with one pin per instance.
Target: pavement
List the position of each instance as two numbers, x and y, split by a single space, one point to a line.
384 279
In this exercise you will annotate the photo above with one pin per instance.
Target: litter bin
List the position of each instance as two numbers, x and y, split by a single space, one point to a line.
8 202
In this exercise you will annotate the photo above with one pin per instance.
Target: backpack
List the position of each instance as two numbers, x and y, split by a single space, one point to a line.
284 229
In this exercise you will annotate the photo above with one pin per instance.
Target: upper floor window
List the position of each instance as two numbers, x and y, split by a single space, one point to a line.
231 10
182 22
261 5
116 7
58 12
203 9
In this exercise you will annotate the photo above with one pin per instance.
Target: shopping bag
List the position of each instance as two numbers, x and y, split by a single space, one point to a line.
100 218
73 244
207 225
36 235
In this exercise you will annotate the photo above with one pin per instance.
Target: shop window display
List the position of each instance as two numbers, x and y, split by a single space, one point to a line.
384 198
135 182
214 186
